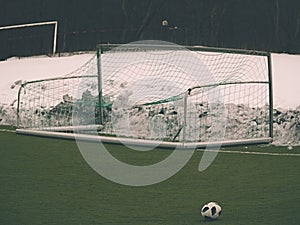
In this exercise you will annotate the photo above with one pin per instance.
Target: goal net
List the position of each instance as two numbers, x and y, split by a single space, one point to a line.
156 92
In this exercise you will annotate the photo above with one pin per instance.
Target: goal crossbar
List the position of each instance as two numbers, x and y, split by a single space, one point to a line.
107 47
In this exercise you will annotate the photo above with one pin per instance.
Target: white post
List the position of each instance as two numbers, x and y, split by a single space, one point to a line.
54 38
184 116
100 102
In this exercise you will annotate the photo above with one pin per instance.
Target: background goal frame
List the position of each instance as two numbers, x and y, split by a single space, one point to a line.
55 23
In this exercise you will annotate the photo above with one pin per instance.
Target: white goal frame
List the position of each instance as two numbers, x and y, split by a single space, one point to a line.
68 131
55 23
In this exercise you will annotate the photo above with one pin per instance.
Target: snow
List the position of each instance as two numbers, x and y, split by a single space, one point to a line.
286 80
14 71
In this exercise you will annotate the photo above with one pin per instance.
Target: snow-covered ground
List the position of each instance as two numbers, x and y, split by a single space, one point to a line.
14 71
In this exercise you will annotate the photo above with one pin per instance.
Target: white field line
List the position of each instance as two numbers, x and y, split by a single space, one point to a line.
5 130
252 153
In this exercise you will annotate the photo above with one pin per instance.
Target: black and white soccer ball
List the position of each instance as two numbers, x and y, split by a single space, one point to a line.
211 210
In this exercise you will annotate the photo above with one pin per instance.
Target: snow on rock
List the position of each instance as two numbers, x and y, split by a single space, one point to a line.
286 126
120 117
165 123
243 122
8 115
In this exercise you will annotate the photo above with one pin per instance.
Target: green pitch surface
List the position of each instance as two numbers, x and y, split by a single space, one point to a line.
46 181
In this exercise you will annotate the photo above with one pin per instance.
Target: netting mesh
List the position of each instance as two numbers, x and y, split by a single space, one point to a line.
153 93
49 103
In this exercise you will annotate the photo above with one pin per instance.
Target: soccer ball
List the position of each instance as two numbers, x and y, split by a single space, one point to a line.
211 210
164 23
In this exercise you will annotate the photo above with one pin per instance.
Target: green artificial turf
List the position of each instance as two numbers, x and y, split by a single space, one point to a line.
46 181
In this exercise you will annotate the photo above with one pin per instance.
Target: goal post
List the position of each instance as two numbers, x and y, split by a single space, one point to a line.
146 93
54 23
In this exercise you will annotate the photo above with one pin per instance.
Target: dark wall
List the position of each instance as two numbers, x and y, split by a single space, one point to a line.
270 25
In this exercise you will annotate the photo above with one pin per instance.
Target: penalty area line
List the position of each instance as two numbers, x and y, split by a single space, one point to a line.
251 153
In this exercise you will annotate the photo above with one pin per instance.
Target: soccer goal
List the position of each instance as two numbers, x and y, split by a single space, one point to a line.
148 92
24 29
